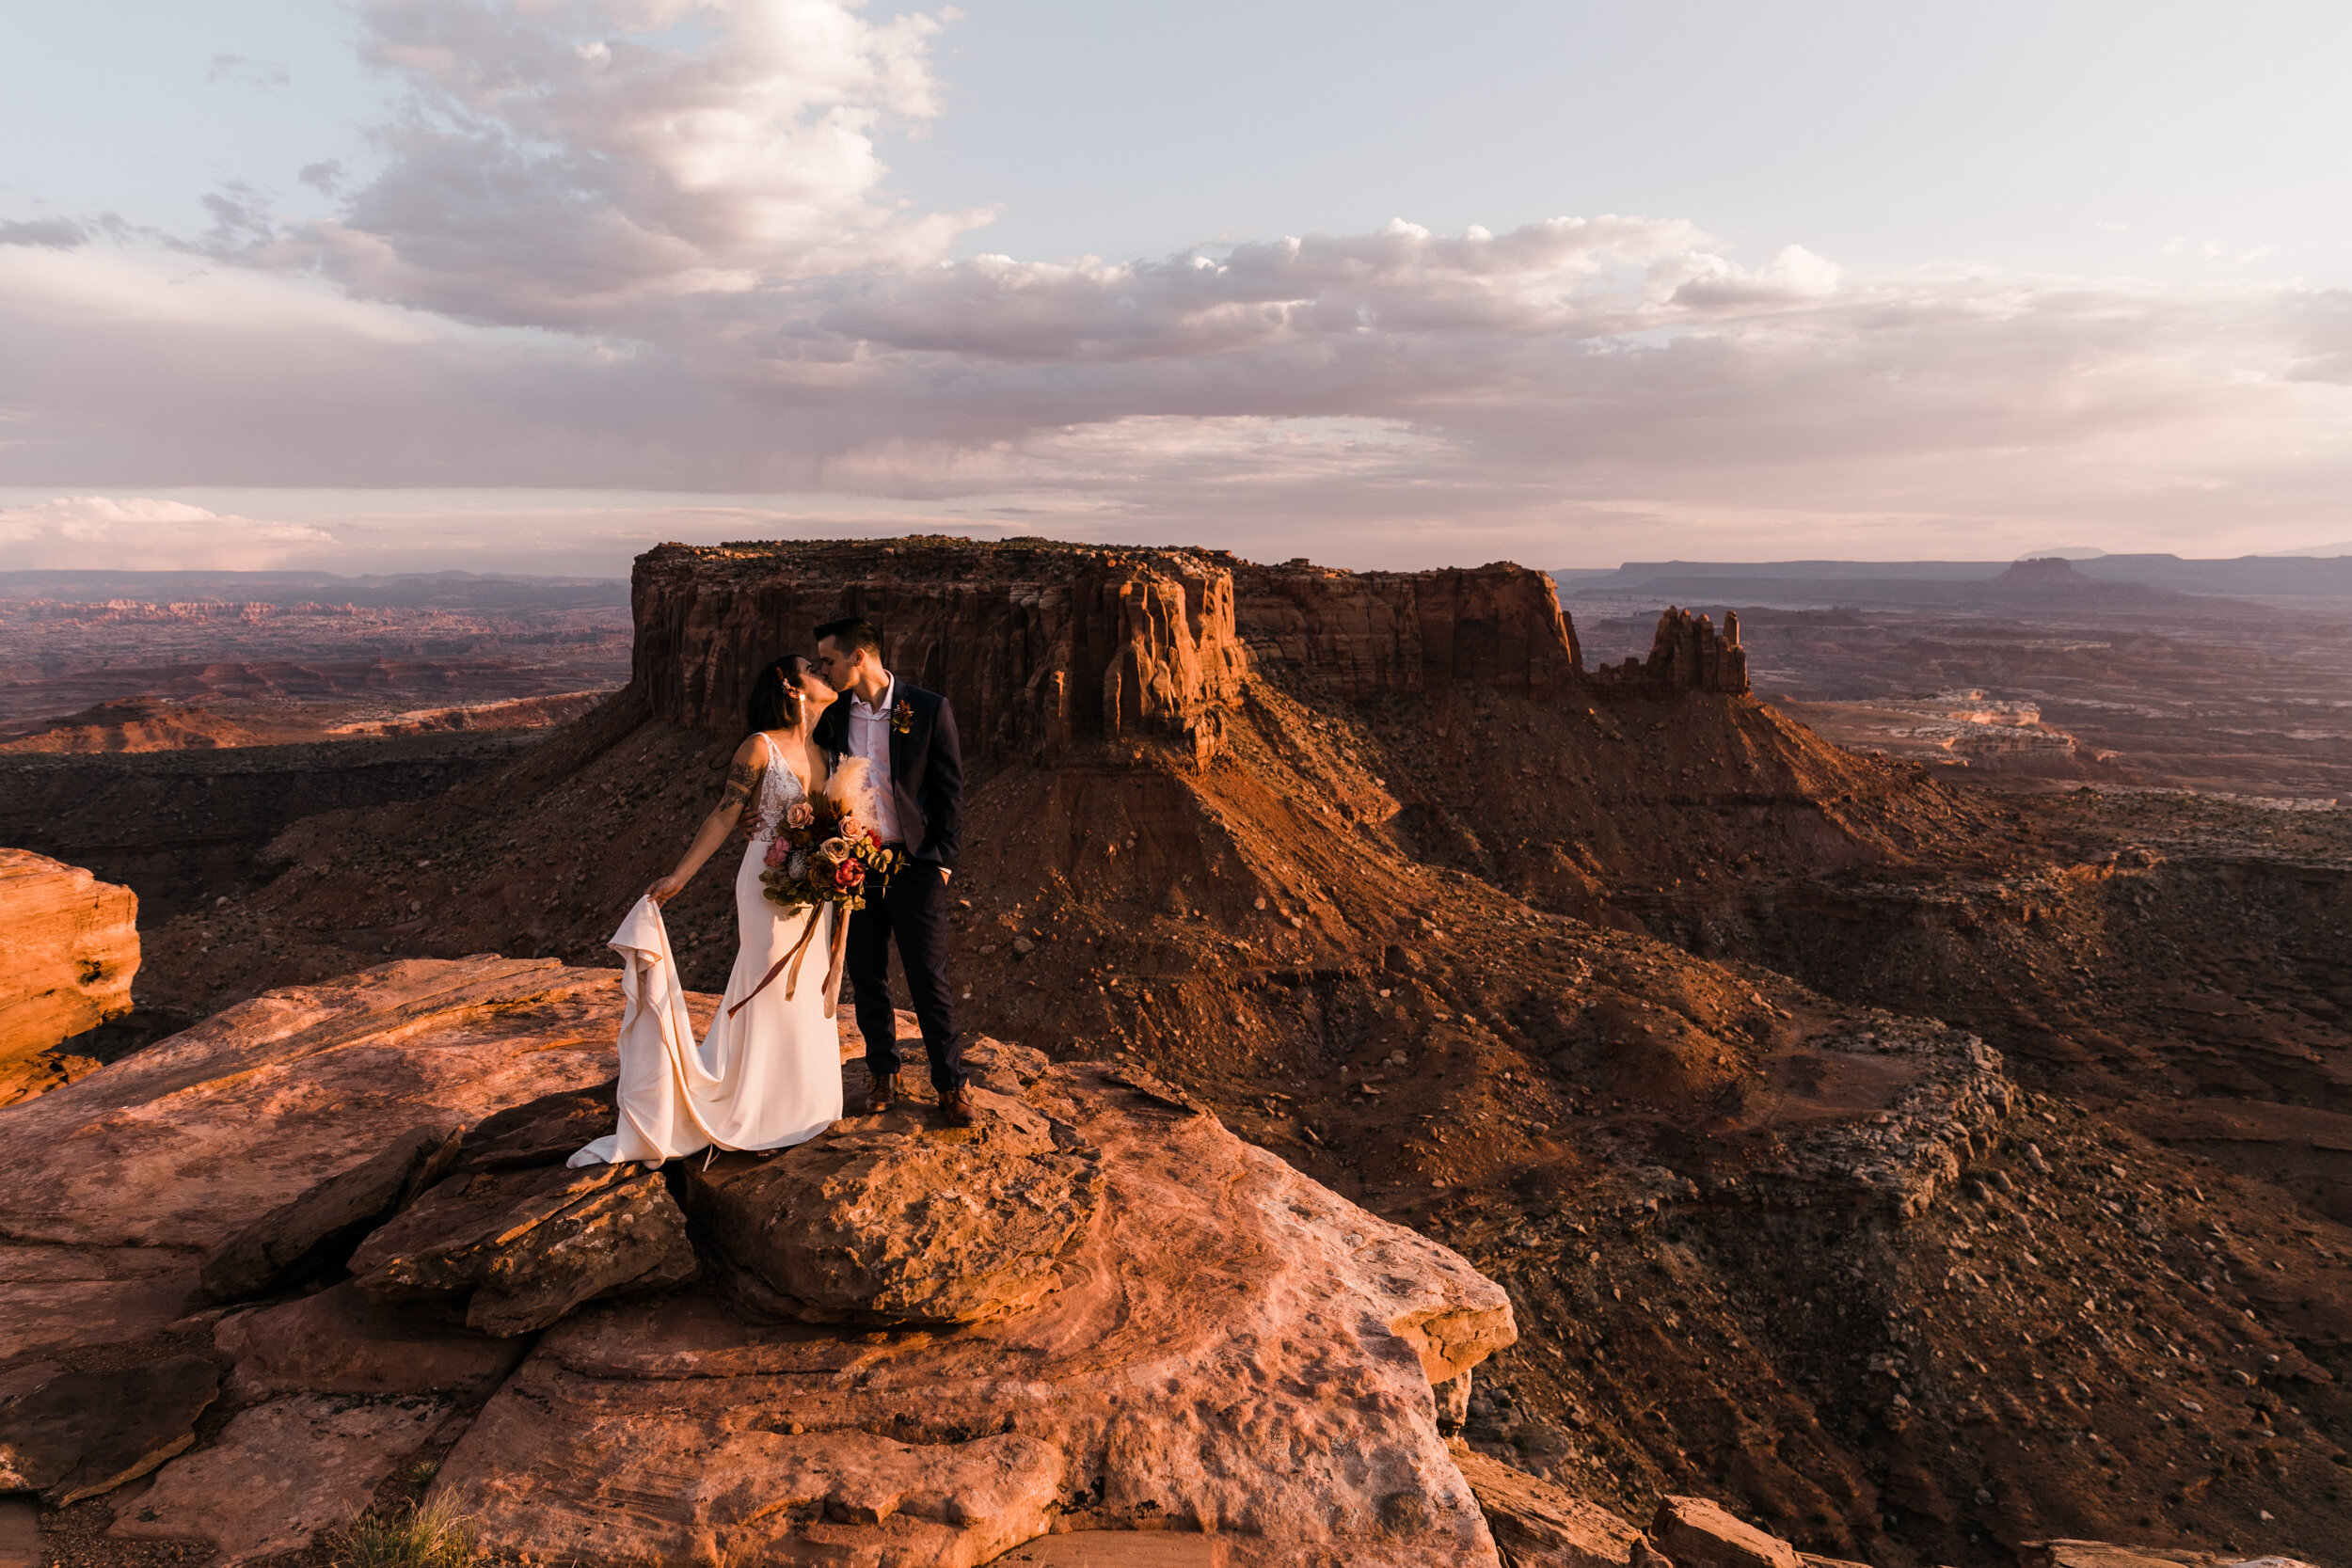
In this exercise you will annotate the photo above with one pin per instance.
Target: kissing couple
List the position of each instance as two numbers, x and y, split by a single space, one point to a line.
834 736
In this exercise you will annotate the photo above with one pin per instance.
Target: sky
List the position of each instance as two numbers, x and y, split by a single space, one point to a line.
534 284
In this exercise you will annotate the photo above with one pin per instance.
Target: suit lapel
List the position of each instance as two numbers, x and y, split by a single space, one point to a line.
901 746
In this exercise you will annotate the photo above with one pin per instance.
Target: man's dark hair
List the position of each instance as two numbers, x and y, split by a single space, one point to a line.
853 634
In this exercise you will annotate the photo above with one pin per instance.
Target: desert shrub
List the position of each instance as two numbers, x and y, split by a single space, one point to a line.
433 1534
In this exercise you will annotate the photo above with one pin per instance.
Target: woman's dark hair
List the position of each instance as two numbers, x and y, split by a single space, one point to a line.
771 705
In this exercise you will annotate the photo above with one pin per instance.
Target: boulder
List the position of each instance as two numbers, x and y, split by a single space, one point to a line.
306 1232
543 1132
340 1342
56 1297
519 1248
81 1434
1539 1525
1227 1354
69 946
120 1182
2107 1554
1696 1533
185 1142
1228 1348
896 1222
279 1475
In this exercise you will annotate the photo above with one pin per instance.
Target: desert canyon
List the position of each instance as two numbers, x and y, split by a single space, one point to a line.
1450 1094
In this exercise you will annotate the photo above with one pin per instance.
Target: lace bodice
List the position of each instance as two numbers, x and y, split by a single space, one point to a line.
779 786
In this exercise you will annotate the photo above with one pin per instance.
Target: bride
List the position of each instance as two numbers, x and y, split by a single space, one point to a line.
768 1073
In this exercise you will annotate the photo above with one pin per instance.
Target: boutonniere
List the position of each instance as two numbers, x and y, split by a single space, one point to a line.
902 716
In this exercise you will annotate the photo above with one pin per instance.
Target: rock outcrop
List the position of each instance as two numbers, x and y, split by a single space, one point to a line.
1211 1344
280 1475
75 1434
69 946
1538 1525
127 1179
1685 655
877 1222
520 1249
1099 1311
1381 634
1039 646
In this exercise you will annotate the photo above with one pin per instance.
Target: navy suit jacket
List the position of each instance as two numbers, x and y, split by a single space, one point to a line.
926 770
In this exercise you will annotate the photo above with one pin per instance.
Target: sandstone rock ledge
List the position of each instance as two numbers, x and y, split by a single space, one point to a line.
69 946
1155 1327
1226 1348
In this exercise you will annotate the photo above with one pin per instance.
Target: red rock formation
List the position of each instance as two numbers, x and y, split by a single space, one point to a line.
1371 634
1039 646
1687 655
1229 1348
1042 646
69 946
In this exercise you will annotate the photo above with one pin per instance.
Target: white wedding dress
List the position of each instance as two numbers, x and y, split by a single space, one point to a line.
766 1077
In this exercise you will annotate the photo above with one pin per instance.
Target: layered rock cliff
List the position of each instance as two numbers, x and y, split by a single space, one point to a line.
1039 646
1375 634
69 946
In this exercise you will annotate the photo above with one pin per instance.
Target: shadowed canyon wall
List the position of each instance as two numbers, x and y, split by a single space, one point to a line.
1373 634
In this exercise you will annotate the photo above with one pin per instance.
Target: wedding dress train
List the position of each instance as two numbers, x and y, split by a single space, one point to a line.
768 1073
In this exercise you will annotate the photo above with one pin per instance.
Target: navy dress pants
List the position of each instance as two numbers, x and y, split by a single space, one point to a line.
914 914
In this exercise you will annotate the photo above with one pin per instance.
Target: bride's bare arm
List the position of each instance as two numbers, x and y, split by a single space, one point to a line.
743 775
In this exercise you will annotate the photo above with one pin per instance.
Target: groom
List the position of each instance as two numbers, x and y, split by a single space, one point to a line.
908 736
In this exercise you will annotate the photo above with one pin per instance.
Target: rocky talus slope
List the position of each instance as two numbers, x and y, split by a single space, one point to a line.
69 946
1623 989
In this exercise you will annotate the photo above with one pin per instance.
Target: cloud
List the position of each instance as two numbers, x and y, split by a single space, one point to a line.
645 245
140 534
239 71
584 166
55 234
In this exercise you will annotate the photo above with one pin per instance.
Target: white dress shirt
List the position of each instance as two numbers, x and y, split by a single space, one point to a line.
869 738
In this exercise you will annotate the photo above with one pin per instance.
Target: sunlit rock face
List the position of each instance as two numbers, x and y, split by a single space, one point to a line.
69 946
1039 647
1097 1309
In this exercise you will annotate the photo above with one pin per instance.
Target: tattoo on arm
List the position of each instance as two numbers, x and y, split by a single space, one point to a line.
739 781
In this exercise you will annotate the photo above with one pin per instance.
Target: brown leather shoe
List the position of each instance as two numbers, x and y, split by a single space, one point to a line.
957 1108
880 1094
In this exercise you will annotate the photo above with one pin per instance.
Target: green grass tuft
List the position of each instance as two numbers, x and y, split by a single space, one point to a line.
431 1535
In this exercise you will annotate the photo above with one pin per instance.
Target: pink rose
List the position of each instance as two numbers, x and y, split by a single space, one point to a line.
777 851
800 813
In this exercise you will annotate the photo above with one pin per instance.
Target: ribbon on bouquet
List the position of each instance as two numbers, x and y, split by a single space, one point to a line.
800 950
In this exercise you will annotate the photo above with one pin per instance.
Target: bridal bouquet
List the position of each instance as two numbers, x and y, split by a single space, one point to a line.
823 854
825 851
